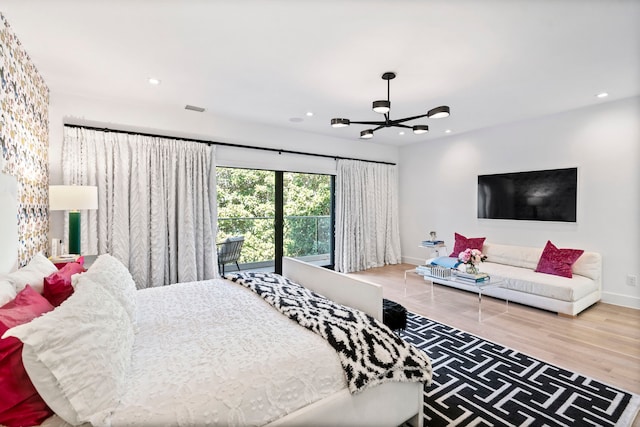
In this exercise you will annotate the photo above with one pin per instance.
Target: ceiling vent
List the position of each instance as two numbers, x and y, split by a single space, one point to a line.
194 108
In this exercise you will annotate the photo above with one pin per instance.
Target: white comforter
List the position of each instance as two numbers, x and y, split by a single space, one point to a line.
214 353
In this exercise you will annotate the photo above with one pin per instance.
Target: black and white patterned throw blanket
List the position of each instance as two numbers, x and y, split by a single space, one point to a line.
370 353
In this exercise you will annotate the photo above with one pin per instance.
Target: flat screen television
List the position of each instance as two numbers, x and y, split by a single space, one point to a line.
545 195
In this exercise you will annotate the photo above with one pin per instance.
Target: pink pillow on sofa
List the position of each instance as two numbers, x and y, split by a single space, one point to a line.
20 405
557 261
57 287
462 243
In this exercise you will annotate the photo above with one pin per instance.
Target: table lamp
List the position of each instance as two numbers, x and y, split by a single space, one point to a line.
73 198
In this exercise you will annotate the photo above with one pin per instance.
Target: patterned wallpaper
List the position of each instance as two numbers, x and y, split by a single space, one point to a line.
24 137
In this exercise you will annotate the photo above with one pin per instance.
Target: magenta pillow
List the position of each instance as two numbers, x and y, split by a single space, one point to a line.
20 403
557 261
57 287
60 265
462 243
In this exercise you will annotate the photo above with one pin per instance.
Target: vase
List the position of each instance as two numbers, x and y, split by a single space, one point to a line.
472 269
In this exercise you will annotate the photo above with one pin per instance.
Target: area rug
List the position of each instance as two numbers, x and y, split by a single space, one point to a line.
480 383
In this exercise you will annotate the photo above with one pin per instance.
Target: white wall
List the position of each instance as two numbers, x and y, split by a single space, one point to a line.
438 177
438 182
65 108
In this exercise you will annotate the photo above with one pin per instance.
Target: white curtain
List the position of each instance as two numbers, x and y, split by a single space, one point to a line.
367 230
156 202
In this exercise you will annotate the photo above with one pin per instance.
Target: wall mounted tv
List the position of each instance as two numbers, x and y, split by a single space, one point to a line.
546 195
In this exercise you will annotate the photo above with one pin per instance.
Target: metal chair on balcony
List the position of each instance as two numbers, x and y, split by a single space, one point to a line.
229 251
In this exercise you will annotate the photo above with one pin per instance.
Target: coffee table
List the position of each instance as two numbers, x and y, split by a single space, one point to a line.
480 288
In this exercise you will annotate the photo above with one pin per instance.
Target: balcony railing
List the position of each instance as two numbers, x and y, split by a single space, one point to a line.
305 237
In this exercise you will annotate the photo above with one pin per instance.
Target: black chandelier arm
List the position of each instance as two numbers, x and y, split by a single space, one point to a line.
368 123
392 123
401 126
388 122
382 126
406 119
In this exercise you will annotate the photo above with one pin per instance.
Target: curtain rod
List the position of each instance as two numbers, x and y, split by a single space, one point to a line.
227 144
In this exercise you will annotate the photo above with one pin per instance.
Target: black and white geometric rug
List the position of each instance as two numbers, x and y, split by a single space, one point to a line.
480 383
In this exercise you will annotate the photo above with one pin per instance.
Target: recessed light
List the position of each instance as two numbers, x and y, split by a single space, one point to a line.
153 81
309 113
602 95
401 132
447 131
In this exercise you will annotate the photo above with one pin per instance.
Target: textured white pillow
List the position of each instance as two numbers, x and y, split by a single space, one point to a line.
32 274
7 291
85 344
110 273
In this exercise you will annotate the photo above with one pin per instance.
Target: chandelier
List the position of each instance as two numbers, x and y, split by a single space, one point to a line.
383 107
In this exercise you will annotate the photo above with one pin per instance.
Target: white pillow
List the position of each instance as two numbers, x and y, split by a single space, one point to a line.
32 274
7 291
85 346
115 278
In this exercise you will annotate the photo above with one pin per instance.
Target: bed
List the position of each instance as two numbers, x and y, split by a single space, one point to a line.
212 352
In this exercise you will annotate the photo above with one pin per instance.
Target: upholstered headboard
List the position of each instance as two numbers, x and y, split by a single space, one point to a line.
8 223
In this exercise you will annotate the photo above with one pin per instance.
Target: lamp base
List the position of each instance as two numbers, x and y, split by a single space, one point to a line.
74 233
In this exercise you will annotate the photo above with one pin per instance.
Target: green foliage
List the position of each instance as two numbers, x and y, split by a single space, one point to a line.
246 199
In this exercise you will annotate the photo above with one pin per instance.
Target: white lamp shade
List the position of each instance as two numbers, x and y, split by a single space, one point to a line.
72 197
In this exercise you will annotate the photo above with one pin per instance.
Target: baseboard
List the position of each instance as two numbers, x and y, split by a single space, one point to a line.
621 299
412 260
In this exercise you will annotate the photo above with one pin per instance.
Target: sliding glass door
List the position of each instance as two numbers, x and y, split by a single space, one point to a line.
308 220
278 214
246 207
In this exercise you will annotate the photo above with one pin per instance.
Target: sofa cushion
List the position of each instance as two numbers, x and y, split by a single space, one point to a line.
517 256
588 265
546 285
462 243
557 261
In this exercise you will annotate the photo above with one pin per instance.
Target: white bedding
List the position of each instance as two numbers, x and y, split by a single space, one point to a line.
205 344
220 348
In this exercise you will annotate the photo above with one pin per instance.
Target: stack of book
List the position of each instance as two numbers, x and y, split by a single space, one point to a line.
473 279
432 242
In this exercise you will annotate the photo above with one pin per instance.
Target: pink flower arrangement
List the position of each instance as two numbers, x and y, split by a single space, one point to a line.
471 257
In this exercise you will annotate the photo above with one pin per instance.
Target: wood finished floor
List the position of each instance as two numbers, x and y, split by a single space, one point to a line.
602 342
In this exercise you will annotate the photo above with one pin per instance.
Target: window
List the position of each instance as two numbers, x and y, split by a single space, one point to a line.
278 213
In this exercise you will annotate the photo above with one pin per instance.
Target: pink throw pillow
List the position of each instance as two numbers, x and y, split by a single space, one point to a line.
20 403
557 261
57 287
462 243
79 260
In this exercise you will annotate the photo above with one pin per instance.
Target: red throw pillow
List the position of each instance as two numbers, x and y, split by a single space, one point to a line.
462 243
557 261
60 265
20 403
57 287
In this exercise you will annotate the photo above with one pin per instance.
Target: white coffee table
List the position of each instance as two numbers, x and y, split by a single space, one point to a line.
480 288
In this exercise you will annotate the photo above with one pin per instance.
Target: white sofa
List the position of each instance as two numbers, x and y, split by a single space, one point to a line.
517 264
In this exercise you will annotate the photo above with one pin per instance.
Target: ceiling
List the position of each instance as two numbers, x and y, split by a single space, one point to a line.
491 61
